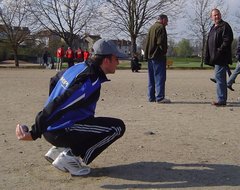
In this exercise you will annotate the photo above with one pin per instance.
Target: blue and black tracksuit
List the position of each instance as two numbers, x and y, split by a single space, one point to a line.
67 119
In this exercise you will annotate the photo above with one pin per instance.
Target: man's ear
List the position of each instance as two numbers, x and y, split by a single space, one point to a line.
107 60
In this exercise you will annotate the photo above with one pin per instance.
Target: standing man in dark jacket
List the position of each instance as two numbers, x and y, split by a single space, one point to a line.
155 53
68 119
218 54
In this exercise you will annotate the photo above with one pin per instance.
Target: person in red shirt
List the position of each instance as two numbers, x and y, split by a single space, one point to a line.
70 56
60 55
79 55
85 55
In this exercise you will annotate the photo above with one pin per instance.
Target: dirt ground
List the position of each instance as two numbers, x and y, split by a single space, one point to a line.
187 144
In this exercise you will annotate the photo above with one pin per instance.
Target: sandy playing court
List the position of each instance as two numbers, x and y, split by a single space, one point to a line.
188 144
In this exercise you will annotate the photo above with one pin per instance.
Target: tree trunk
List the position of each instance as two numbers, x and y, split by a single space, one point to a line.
203 50
133 45
15 53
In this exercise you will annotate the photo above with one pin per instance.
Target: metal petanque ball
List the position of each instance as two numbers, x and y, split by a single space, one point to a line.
24 128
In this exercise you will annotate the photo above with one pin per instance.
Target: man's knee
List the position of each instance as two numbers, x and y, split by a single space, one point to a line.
122 127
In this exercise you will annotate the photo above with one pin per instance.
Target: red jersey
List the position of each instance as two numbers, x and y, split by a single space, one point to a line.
69 54
85 55
79 54
60 52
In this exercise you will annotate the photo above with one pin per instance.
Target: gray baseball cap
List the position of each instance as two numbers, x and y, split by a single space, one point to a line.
107 47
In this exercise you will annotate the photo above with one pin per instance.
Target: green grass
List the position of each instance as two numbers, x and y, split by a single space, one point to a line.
178 63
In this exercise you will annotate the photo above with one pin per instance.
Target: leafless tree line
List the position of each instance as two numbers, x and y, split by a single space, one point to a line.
70 18
64 18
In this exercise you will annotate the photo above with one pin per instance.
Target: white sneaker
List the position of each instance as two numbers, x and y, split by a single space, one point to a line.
53 153
164 101
67 162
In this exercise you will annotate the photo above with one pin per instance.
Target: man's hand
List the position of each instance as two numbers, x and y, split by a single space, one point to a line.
23 133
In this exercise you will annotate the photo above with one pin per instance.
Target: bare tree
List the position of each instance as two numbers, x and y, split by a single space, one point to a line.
200 21
15 19
64 18
132 17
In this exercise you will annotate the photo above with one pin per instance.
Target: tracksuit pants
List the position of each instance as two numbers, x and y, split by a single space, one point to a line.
89 137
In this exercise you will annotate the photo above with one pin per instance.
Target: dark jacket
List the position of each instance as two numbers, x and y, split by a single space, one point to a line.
73 99
218 46
156 45
135 65
238 50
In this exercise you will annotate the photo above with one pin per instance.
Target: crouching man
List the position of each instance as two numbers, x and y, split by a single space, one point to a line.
67 121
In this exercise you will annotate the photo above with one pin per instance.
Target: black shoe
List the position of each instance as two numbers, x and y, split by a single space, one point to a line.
218 104
230 88
152 100
213 80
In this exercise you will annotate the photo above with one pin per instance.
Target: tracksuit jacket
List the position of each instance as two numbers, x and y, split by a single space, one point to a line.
72 99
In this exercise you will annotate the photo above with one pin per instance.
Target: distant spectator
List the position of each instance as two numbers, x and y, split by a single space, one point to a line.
51 62
79 55
70 57
45 58
60 55
135 65
86 55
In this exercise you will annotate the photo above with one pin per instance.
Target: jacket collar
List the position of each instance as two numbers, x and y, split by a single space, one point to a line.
99 72
221 23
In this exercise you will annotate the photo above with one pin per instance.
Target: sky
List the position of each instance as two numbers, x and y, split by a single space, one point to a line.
233 4
180 29
233 8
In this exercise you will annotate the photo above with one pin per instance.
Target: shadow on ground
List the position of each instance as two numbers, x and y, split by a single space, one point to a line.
169 175
229 104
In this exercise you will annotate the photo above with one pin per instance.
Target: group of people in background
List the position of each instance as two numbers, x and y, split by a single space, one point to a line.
218 55
72 56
